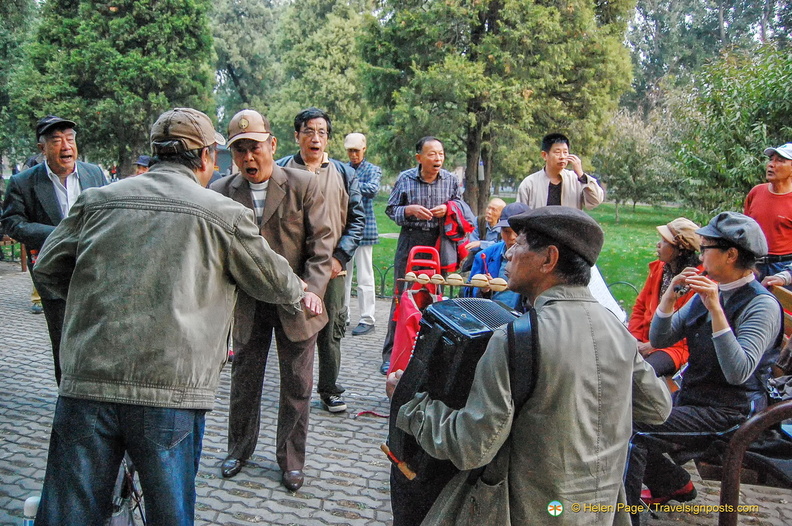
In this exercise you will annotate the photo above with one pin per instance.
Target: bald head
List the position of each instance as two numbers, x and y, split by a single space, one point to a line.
494 209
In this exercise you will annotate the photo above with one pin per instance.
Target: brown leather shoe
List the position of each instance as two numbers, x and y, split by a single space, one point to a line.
293 480
231 466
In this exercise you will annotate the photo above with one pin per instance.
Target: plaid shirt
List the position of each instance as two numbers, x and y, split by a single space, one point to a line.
368 176
410 189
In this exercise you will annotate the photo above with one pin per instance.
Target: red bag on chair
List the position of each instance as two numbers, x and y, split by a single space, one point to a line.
408 318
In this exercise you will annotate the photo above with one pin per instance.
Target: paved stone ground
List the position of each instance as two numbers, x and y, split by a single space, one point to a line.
346 474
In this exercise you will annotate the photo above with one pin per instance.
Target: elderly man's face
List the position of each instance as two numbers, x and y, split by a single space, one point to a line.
779 169
254 159
140 169
60 149
523 266
312 139
493 212
356 155
431 158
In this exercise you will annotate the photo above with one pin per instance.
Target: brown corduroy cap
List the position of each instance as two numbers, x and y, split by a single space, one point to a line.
681 232
183 129
570 227
248 124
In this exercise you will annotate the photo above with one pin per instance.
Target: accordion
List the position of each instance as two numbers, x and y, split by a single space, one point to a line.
453 336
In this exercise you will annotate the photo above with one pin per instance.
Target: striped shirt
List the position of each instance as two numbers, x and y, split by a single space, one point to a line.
258 193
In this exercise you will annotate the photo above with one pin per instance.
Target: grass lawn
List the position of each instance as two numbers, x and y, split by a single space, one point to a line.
629 246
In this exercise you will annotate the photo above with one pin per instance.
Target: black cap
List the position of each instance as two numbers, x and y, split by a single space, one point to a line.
570 227
46 124
143 160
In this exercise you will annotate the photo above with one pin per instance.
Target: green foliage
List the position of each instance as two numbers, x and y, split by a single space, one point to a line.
115 68
317 50
280 58
246 60
491 77
740 106
17 17
635 161
671 41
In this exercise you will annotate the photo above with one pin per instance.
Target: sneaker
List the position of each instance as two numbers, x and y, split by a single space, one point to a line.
362 328
333 403
36 308
384 367
683 494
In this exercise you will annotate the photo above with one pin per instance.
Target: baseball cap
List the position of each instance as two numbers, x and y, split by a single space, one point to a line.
183 129
248 124
512 209
143 160
354 141
785 150
51 122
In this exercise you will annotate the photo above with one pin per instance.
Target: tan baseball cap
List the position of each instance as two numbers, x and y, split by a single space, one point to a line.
183 129
681 232
249 124
355 141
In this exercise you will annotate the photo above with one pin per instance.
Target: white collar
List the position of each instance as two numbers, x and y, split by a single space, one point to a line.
736 284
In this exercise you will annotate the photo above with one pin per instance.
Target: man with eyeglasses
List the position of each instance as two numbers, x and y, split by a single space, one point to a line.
38 198
347 220
770 204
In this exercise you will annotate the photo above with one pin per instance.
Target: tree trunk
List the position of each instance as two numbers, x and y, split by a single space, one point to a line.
472 154
486 157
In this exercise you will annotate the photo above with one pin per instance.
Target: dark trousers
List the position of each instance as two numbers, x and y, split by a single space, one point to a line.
688 427
54 311
408 239
87 444
295 360
328 341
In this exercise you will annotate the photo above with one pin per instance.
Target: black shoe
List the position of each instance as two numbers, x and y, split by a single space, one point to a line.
333 403
384 367
293 480
231 466
362 328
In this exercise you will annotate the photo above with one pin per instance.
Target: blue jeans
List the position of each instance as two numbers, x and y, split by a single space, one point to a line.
87 444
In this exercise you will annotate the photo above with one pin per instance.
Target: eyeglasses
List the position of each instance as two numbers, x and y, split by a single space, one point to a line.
720 247
308 132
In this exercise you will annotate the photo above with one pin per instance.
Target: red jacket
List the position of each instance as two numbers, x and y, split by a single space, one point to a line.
645 307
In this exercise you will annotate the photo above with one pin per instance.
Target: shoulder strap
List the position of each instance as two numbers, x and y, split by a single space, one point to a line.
523 351
523 357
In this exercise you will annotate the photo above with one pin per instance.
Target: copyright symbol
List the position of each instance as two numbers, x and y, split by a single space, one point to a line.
575 508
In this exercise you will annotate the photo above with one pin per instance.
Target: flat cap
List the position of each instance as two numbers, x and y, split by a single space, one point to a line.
182 129
143 160
51 122
737 229
570 227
